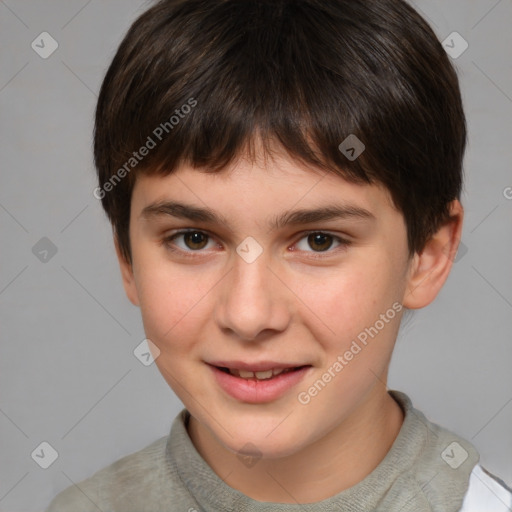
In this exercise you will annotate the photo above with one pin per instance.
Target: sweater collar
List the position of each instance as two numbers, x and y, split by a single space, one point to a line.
426 469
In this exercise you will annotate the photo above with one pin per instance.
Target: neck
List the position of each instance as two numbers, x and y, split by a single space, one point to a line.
339 460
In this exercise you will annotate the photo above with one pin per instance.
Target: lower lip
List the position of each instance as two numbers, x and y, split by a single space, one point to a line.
258 391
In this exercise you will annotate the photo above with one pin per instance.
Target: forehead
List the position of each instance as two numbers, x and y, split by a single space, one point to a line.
260 190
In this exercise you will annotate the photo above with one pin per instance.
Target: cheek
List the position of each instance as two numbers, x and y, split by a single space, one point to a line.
344 295
352 301
172 303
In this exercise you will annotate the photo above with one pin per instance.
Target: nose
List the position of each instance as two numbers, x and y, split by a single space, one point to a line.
254 302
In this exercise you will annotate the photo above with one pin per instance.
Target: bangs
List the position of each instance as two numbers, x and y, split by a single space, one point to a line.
233 93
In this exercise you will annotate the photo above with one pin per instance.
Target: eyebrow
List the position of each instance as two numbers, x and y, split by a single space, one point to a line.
293 217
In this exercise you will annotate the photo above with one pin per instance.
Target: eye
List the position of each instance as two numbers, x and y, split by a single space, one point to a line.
193 240
320 241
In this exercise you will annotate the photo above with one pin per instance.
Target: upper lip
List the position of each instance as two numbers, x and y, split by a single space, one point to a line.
260 366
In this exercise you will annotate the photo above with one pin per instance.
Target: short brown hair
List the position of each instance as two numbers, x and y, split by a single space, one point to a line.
303 73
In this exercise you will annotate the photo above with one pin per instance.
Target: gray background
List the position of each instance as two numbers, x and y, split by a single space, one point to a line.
68 375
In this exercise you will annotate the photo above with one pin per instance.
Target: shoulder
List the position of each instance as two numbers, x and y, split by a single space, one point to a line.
486 493
119 483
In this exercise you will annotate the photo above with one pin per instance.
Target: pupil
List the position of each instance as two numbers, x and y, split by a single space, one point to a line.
320 240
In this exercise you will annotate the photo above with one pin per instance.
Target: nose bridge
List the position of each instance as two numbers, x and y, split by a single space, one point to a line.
252 299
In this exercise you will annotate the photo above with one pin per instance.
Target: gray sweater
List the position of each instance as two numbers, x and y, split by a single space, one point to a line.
422 472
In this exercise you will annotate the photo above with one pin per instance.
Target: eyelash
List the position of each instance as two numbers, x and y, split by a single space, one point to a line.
167 242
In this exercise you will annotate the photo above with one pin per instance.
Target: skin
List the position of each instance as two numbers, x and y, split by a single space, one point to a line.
286 306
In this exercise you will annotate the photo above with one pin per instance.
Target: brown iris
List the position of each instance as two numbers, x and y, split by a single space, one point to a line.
195 240
321 240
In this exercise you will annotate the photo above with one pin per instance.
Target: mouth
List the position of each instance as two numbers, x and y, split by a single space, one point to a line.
259 375
258 382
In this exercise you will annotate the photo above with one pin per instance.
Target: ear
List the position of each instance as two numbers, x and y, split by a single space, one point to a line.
429 269
127 275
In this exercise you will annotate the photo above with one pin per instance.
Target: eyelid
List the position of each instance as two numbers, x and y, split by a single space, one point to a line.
343 241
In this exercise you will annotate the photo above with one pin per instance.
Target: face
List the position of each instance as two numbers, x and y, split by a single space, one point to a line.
276 269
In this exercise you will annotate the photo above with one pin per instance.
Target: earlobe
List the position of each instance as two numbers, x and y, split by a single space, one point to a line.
429 269
127 275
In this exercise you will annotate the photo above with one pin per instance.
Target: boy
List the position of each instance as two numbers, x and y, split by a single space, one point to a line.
283 181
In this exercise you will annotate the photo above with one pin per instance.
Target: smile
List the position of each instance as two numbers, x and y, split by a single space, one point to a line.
257 383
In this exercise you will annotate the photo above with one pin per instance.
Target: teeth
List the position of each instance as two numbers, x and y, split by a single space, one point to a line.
264 375
268 374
